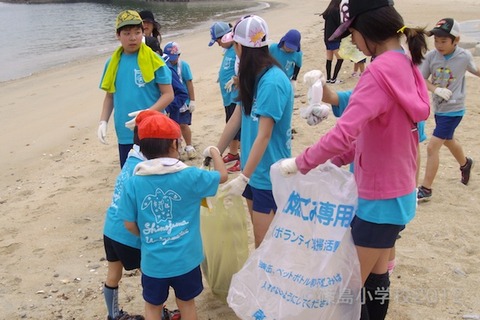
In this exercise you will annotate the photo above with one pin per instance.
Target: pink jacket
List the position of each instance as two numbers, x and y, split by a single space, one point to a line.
378 129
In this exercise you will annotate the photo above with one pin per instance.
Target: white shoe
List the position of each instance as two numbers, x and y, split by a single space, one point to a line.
191 152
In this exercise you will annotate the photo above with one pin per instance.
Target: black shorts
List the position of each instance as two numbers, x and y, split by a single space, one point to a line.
374 235
116 251
228 113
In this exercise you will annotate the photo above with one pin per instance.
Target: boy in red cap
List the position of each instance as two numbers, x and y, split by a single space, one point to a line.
161 204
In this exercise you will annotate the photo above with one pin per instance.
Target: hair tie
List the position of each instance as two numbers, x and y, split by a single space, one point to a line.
401 29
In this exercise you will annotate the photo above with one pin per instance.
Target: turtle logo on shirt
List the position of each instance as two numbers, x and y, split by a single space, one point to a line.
160 204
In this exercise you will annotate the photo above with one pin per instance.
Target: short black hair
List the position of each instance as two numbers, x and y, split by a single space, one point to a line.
155 148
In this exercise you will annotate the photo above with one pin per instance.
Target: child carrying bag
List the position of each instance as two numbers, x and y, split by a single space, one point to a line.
307 265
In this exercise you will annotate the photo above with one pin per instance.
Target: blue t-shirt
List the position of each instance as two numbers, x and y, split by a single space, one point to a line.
166 208
227 71
274 99
132 93
288 60
114 228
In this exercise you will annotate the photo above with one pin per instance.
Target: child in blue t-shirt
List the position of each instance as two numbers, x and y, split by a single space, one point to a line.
182 68
289 55
161 204
134 78
122 248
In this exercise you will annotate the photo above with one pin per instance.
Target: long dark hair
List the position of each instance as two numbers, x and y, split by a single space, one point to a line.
334 5
252 62
385 22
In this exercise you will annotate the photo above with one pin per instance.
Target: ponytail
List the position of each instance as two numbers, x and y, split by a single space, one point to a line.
417 43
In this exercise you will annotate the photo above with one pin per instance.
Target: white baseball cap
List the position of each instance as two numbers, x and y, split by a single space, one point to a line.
251 31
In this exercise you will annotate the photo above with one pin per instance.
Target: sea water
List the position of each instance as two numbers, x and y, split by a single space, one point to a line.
36 37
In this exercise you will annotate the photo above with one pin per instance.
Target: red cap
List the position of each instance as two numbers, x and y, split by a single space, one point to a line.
157 126
144 114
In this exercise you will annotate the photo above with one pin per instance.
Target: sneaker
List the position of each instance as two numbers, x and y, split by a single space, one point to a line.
355 75
191 152
234 168
423 194
171 315
231 157
329 81
336 81
465 169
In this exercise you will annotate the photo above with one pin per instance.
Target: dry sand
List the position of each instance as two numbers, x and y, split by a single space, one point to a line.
58 181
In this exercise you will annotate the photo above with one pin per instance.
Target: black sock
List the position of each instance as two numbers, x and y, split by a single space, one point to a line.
328 68
377 297
338 66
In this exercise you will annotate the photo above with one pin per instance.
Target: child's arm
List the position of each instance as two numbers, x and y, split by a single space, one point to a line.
165 99
330 96
104 117
191 94
443 93
265 128
132 227
230 130
218 164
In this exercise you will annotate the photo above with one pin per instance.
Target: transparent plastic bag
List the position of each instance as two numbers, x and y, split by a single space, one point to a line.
225 241
307 266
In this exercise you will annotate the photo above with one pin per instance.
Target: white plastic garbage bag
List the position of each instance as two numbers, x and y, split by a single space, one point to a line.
307 266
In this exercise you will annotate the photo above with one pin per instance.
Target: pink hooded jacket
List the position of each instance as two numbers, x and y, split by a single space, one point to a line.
378 130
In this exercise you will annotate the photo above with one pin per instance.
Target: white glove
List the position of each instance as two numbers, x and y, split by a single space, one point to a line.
191 106
236 186
312 76
102 131
131 123
207 153
316 113
288 167
229 85
294 85
443 93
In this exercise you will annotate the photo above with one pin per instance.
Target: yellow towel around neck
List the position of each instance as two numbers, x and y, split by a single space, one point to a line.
148 61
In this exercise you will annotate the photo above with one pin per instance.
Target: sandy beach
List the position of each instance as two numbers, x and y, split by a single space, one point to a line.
57 182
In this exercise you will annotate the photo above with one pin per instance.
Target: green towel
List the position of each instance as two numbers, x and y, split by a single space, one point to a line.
148 61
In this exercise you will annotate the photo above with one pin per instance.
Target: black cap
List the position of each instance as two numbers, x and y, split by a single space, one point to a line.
147 15
350 9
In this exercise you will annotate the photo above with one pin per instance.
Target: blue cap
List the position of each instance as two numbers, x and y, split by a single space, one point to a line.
218 30
291 40
172 50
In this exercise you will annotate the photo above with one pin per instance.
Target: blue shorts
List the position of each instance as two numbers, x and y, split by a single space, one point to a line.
174 114
186 287
228 113
445 126
123 150
332 45
116 251
263 201
185 118
374 235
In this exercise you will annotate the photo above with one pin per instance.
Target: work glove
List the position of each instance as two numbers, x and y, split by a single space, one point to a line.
102 131
315 113
443 93
191 106
207 153
131 123
236 186
288 167
229 85
312 76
